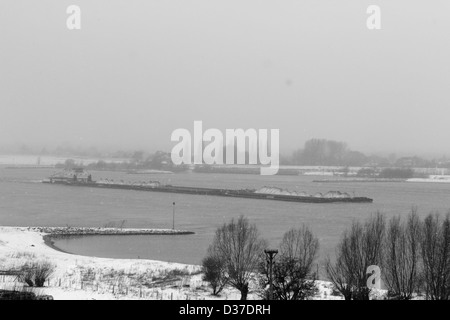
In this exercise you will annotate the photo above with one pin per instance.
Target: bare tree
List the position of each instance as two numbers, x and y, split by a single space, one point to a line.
36 273
339 274
300 245
402 253
435 247
214 272
293 278
240 246
343 273
359 248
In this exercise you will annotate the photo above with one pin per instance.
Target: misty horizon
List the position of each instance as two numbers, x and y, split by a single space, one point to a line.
135 73
70 149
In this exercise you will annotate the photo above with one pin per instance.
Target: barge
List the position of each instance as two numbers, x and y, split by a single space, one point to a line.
79 178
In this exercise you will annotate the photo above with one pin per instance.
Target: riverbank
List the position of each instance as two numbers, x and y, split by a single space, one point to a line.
368 180
80 277
53 233
432 179
89 278
76 231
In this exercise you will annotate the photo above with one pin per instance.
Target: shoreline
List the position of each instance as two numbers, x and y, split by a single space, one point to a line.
359 180
49 234
378 180
89 231
48 241
64 232
77 277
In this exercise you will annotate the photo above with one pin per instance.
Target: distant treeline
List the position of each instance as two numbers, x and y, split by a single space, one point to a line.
316 152
321 152
157 161
240 170
396 173
389 173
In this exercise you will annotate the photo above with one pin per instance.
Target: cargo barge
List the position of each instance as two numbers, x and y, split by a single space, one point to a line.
79 178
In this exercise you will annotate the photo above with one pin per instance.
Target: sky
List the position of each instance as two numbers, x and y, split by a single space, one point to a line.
137 70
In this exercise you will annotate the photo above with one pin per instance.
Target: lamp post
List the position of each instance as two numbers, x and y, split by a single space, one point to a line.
270 256
173 217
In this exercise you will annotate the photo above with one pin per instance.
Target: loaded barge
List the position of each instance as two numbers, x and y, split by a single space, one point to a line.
79 178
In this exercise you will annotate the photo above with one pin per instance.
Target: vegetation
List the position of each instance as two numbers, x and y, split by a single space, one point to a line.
35 274
321 152
360 247
239 170
414 257
240 246
293 278
435 245
157 161
396 173
214 272
316 152
402 252
17 294
367 172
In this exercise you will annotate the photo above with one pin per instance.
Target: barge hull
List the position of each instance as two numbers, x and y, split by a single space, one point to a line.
216 192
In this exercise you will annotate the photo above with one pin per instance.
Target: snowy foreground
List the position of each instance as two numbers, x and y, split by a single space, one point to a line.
89 278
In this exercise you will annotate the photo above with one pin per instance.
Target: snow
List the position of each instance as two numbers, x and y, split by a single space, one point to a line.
432 178
90 278
87 278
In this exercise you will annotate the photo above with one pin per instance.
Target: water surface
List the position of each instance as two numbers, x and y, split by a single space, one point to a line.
26 202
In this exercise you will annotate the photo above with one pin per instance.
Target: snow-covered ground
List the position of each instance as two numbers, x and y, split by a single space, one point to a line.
432 178
79 277
90 278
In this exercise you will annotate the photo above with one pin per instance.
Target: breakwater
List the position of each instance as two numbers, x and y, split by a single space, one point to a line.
79 231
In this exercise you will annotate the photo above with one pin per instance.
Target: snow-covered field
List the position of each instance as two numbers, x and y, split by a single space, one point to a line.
90 278
80 277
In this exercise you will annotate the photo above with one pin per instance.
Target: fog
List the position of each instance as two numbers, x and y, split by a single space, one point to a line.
138 70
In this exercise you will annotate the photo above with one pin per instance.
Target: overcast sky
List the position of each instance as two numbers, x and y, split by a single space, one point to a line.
137 70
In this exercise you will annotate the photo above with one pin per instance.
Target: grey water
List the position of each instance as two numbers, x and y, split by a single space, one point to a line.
24 201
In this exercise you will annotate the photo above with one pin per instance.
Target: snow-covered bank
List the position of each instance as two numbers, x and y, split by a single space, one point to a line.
432 178
80 277
90 278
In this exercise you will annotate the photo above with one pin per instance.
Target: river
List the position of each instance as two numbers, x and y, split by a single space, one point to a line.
24 201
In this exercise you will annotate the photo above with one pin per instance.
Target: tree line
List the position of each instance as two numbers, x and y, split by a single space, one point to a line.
323 152
412 254
315 152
